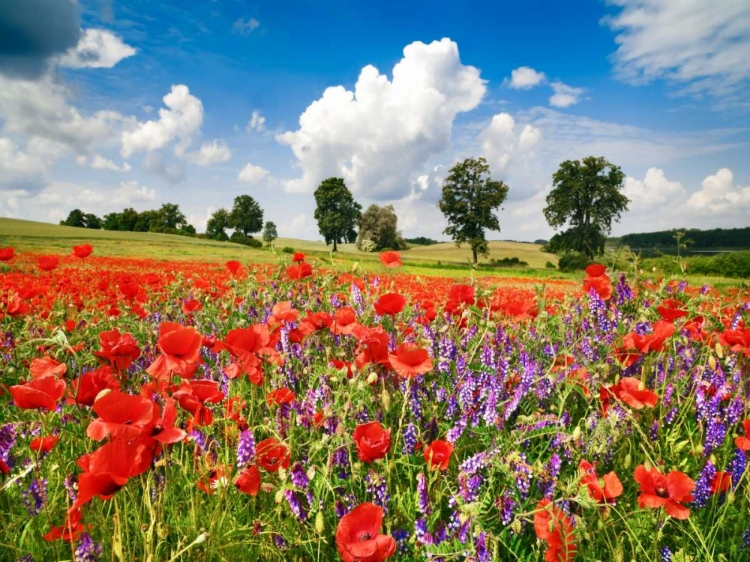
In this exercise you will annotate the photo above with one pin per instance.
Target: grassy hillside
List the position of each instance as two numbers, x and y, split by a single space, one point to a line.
28 236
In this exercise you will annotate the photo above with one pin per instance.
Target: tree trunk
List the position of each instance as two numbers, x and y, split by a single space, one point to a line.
474 252
335 247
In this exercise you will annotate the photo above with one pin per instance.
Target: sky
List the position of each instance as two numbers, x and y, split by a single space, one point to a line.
107 104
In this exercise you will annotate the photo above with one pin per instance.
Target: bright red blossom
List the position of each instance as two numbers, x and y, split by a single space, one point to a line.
410 360
437 454
391 259
604 490
40 393
272 455
358 537
373 441
83 251
670 491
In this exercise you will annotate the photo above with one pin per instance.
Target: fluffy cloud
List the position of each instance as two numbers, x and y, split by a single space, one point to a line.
564 95
99 162
253 175
180 121
504 142
99 200
173 172
654 190
719 195
245 26
17 166
257 122
376 136
97 48
700 46
213 152
525 78
33 32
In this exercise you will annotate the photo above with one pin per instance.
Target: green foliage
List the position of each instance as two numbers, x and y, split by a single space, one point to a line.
246 215
270 233
167 217
217 225
380 226
469 200
586 197
75 218
287 250
509 262
421 241
573 261
92 221
239 238
663 240
729 264
366 245
550 265
337 213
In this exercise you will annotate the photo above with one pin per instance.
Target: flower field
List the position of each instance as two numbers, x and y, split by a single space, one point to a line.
158 410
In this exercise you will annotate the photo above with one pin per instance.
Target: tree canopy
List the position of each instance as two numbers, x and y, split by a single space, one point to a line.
380 225
586 196
217 225
469 200
337 213
246 215
79 219
270 233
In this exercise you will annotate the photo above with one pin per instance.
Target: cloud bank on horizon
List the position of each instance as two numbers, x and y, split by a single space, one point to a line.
73 133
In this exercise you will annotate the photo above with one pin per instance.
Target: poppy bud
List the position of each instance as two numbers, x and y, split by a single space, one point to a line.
712 362
719 350
698 450
628 460
319 523
577 433
372 378
102 393
201 538
279 496
385 399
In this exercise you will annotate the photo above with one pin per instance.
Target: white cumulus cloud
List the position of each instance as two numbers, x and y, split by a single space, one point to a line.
257 122
503 143
525 78
376 136
213 152
253 175
99 162
654 190
97 48
720 195
180 121
565 95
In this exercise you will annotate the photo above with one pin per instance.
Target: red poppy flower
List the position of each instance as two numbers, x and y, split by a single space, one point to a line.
669 491
248 482
123 416
373 441
282 313
47 367
180 348
7 254
344 321
109 468
603 493
38 393
247 345
358 537
192 305
631 391
298 257
233 266
83 251
44 444
391 304
69 531
410 360
47 263
720 482
554 527
315 321
738 340
372 347
463 294
437 454
663 330
272 455
598 280
119 350
743 442
300 271
670 310
88 386
391 259
280 396
343 366
193 396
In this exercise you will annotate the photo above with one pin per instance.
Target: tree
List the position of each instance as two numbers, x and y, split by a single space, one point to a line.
147 221
470 197
112 221
586 196
92 221
75 218
269 233
217 225
246 215
129 218
169 217
337 213
380 225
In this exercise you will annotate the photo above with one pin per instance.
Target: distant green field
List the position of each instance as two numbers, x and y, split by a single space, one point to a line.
37 237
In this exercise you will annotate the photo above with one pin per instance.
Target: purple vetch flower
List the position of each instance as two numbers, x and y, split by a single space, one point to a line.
280 542
378 488
666 554
473 463
456 431
299 476
71 485
7 440
245 448
715 435
737 466
746 539
35 497
423 498
653 433
87 550
420 531
411 435
702 491
401 536
480 545
295 504
506 504
547 486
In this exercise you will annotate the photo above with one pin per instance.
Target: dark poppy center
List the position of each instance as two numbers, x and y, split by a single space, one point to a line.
365 537
662 492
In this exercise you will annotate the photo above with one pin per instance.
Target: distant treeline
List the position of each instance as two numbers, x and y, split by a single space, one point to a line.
717 238
168 219
421 241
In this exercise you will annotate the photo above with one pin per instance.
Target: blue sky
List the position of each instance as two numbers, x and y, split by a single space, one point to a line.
249 104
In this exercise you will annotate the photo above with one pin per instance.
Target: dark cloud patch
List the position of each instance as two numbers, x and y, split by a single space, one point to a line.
34 31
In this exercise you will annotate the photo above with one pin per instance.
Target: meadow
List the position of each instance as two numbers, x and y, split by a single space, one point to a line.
294 408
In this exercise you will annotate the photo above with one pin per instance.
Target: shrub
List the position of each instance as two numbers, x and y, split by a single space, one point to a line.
367 245
550 265
287 250
573 261
239 238
730 264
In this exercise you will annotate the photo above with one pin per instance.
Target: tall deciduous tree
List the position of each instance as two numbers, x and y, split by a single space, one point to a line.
586 196
380 225
76 218
337 213
92 221
246 215
170 216
217 225
470 198
270 233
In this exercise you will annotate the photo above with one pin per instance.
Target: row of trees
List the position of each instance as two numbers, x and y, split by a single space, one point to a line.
167 219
